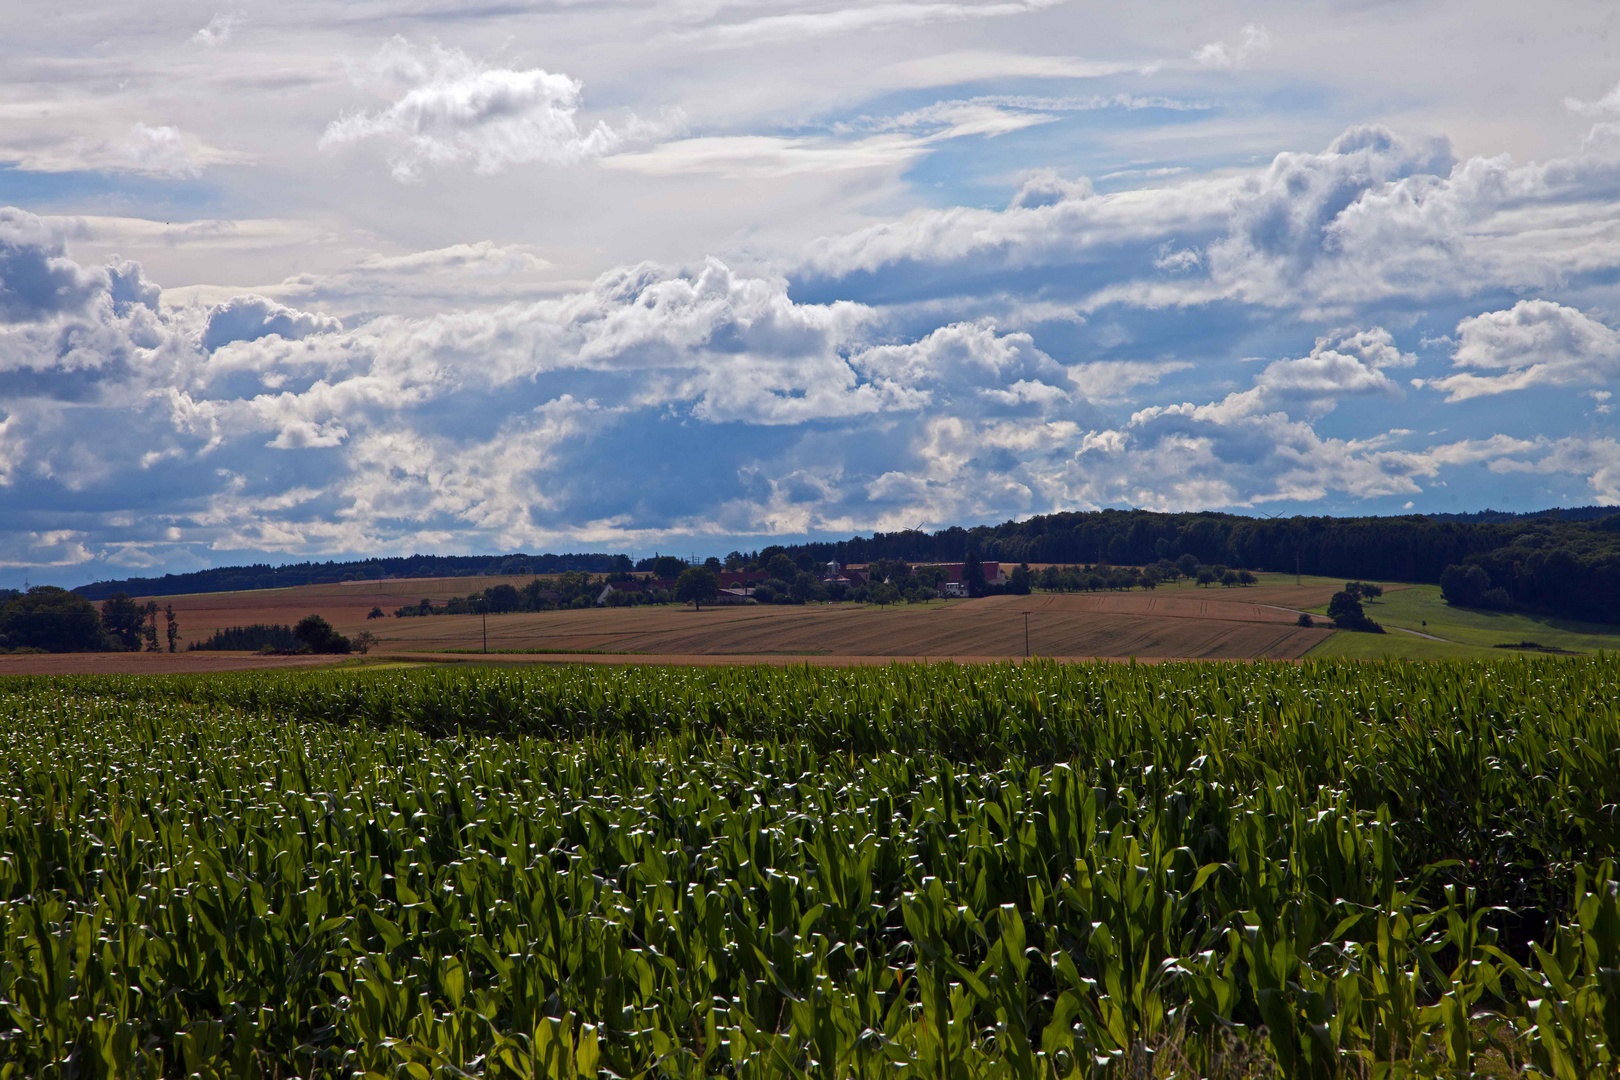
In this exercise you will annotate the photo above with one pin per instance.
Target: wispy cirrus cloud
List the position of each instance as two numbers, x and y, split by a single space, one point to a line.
768 29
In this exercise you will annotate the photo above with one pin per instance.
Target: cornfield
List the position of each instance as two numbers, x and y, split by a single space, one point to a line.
1224 870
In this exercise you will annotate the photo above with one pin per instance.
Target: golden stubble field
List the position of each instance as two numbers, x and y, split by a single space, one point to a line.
1178 622
1059 625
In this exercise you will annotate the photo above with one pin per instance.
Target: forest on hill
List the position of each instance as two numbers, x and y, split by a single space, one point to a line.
1545 563
1564 563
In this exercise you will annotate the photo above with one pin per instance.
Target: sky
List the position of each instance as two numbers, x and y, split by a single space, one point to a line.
321 279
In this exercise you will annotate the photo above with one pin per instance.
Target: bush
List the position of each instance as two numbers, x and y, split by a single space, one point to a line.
882 593
1305 620
1345 611
317 636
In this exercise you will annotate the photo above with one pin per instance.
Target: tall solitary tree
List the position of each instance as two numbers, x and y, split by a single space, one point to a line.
149 630
173 628
697 584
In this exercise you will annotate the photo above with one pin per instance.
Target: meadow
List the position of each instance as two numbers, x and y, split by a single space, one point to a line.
1465 633
1315 869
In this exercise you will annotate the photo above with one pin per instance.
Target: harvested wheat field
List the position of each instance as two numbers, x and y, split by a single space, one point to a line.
1180 621
1144 625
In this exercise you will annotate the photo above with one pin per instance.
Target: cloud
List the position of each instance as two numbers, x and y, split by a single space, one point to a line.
218 31
161 151
774 156
770 29
1218 54
1533 343
768 156
249 318
1375 218
1608 103
1247 449
483 257
454 109
979 65
36 277
1049 222
702 400
1338 366
1113 380
453 277
424 428
1597 459
54 547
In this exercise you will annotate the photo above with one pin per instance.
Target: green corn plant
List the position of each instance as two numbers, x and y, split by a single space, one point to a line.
996 871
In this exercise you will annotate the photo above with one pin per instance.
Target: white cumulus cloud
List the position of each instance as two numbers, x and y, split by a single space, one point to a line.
1533 343
456 109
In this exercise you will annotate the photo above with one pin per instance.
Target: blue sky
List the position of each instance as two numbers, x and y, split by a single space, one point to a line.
320 279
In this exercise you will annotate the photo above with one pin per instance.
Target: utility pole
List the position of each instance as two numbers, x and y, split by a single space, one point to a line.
1026 635
483 609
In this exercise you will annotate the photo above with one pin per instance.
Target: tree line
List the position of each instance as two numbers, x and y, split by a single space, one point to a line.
46 619
313 634
265 576
1543 564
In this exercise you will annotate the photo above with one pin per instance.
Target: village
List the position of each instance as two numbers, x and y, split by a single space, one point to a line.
829 581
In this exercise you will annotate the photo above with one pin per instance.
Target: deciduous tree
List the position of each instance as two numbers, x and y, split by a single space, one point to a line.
122 618
697 584
53 619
